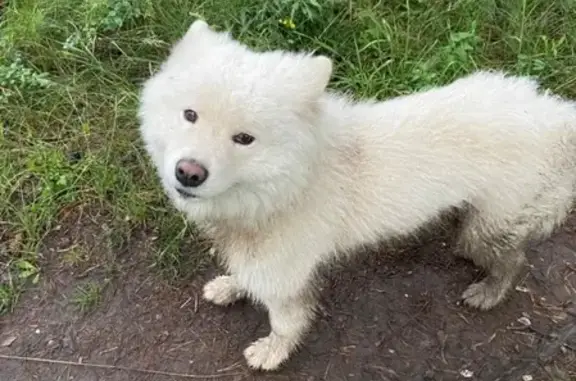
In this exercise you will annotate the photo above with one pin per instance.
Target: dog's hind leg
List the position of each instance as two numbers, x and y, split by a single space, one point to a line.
495 239
497 247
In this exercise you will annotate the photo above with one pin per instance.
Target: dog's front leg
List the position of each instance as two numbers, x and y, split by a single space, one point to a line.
290 317
223 290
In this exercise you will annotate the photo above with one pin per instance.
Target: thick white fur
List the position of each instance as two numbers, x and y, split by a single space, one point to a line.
326 175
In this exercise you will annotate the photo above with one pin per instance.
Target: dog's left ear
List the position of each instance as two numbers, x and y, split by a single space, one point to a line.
304 77
319 73
196 28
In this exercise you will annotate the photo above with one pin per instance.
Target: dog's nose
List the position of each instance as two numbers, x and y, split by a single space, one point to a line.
190 173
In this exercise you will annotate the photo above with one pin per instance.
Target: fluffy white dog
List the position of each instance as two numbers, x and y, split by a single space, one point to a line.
284 176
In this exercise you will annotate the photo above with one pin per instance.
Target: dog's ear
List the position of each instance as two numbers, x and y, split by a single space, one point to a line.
304 77
320 71
198 39
201 35
198 27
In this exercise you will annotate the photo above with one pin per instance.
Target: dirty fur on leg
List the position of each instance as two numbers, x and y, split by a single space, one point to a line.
499 252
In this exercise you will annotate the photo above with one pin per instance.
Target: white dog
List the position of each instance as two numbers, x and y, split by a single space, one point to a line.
285 177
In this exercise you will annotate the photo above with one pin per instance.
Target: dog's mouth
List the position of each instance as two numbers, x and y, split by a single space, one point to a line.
185 194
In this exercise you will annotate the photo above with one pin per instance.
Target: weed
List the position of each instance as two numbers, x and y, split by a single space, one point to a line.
87 296
74 256
7 295
16 78
179 252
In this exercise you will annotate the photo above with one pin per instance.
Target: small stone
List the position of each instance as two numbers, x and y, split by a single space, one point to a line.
8 341
466 373
560 316
527 377
524 321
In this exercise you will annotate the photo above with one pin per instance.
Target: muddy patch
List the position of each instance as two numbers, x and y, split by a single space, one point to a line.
393 315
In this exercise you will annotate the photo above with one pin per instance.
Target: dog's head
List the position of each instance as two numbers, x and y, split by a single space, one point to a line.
230 129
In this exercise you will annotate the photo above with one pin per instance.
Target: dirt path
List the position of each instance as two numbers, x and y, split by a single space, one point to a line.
392 316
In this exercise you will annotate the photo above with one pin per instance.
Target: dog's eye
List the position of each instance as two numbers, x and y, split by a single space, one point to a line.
243 138
190 115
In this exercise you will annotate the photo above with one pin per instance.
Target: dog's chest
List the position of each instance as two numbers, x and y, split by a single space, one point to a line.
234 242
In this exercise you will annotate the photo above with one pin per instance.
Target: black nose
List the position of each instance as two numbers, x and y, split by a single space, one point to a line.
190 173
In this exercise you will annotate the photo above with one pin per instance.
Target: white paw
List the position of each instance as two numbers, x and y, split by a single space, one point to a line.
268 353
222 290
483 295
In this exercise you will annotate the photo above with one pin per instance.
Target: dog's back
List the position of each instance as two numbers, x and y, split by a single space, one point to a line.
491 141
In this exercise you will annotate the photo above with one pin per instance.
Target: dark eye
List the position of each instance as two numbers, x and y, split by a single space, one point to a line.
243 139
190 115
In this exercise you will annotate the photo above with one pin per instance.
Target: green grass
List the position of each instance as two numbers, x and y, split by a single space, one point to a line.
87 296
70 72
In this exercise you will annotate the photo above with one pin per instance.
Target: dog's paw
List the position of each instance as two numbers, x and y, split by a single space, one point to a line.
222 290
483 295
267 353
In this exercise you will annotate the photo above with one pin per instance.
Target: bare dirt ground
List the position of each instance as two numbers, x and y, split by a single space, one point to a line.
393 315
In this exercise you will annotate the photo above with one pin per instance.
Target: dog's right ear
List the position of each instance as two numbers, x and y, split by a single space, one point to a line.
200 34
197 40
197 27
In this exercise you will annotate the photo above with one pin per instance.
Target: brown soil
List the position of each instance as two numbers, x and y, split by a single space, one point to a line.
393 315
